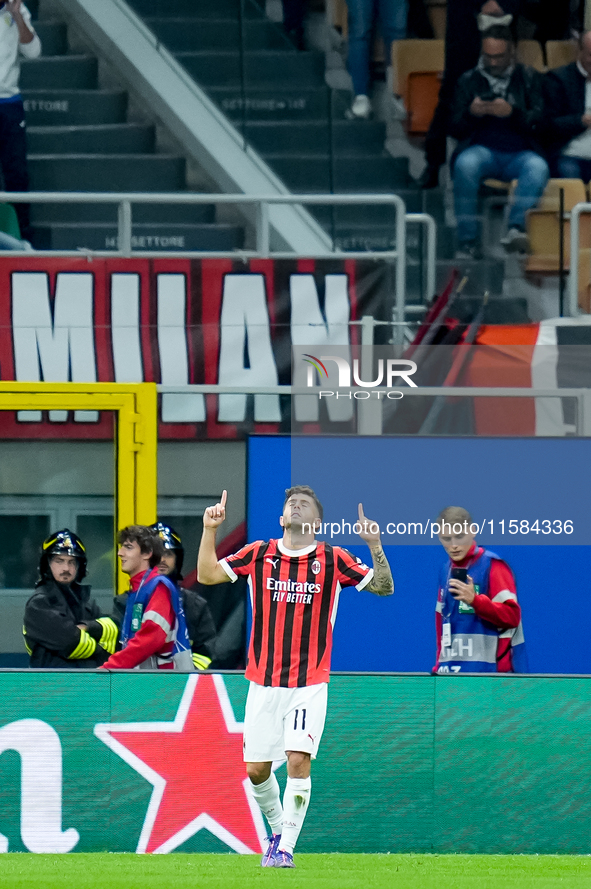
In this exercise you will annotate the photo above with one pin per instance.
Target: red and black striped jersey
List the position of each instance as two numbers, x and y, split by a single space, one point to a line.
294 596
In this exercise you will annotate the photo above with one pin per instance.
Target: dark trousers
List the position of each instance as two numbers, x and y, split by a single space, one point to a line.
462 48
13 156
293 16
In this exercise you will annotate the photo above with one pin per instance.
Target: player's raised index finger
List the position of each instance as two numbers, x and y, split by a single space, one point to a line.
224 498
360 512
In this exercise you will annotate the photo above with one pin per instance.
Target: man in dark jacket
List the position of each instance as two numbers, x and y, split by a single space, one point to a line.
63 625
498 108
567 93
465 19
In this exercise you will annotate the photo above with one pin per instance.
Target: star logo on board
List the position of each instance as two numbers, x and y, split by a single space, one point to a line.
195 765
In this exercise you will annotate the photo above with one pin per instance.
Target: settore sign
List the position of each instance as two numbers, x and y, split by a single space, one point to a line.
175 322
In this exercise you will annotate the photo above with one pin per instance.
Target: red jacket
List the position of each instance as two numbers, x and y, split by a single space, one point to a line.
155 636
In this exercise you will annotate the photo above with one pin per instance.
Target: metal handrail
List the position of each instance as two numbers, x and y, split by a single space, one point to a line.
125 201
573 280
368 425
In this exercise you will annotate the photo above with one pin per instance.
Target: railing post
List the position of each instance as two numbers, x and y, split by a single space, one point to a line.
398 334
263 245
124 224
369 412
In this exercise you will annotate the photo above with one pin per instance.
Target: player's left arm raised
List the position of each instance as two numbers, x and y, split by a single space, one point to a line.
382 583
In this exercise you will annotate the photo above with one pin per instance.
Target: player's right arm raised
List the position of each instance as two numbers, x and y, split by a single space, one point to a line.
209 571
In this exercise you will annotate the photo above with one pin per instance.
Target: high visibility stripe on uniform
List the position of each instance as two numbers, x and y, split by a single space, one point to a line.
27 646
85 648
201 662
505 596
108 639
161 622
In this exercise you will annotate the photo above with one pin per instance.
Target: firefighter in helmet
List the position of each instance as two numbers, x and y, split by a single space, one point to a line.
63 624
199 620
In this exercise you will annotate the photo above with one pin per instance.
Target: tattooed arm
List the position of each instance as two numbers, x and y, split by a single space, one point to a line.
381 583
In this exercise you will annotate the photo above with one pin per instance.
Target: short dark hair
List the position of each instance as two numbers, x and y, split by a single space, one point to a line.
304 489
499 32
145 538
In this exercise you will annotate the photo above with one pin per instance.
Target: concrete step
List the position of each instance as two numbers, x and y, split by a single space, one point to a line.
191 34
277 105
157 237
354 174
59 72
118 138
289 102
106 172
53 35
482 274
499 310
342 136
67 107
199 8
270 68
174 214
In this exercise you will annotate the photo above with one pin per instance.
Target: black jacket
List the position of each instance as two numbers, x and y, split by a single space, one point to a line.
200 623
524 93
51 632
564 96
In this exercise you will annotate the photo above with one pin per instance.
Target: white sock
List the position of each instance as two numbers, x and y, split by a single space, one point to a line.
267 796
295 805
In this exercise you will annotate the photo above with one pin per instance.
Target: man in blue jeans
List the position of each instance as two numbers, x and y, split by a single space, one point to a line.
391 16
497 111
17 39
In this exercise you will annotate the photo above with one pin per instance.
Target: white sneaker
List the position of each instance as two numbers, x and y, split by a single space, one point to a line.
515 241
360 109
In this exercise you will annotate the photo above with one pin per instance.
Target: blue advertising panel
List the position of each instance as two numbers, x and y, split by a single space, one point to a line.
402 481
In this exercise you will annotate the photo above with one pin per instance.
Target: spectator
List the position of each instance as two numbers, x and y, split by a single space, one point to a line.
17 37
198 616
154 631
465 20
294 13
567 93
391 16
63 626
477 619
497 109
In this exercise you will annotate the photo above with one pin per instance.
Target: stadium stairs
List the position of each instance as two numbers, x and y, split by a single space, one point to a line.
278 98
80 139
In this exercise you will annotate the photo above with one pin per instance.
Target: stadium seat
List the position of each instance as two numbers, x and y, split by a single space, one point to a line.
529 52
422 98
560 52
414 56
543 226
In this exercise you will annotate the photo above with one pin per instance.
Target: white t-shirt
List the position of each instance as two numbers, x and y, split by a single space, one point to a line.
580 146
10 48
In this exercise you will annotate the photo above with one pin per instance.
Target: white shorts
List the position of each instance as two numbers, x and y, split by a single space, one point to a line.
280 719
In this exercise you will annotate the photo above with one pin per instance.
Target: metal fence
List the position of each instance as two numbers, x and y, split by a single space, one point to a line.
370 413
125 202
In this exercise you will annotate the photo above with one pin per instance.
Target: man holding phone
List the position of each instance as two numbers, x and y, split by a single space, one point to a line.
477 616
496 115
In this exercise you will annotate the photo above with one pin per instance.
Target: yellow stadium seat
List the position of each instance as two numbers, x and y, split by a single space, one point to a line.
529 52
409 56
543 227
560 52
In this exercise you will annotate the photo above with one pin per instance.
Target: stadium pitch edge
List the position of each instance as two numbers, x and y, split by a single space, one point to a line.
329 871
